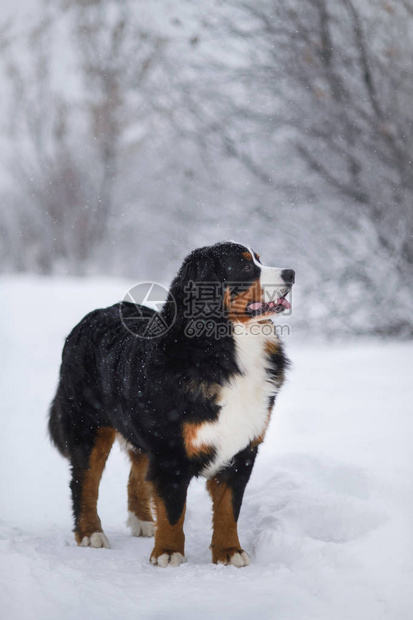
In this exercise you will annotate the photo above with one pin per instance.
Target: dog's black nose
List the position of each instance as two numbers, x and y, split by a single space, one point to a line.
288 275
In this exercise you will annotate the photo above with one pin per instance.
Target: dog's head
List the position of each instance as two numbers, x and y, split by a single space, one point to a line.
232 276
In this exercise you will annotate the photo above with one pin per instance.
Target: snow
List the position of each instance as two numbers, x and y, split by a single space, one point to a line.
326 517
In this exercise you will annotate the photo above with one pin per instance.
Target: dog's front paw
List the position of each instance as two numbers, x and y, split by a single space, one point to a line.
96 540
166 558
139 527
232 556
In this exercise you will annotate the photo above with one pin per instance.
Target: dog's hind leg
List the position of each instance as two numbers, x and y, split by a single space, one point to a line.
140 518
88 463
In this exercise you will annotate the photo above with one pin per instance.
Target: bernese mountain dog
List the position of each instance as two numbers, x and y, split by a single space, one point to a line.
184 401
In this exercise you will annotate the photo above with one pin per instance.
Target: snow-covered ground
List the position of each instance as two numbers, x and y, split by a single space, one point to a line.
327 516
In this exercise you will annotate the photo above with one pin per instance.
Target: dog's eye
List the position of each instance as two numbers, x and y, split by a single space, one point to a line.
248 267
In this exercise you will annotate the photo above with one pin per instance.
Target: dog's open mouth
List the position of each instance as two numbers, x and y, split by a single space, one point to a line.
257 308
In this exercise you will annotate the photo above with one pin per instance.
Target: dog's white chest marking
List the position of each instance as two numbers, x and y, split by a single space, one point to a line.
244 403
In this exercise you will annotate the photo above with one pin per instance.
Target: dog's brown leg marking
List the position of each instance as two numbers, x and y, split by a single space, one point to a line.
88 520
225 542
139 489
169 538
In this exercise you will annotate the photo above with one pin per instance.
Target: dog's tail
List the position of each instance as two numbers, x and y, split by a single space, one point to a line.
56 427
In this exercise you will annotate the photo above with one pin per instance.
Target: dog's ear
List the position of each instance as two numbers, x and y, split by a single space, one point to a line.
199 266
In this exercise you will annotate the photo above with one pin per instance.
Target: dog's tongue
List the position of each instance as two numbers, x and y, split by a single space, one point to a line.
258 305
281 301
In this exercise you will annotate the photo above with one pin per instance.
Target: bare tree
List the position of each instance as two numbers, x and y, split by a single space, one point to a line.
318 108
71 146
285 123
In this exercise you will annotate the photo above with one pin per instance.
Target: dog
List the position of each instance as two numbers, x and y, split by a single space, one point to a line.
185 401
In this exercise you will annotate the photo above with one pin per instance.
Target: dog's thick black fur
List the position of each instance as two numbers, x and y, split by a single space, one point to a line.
149 390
